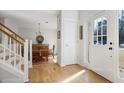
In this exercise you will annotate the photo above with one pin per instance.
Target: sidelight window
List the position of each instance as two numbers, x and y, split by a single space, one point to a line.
121 29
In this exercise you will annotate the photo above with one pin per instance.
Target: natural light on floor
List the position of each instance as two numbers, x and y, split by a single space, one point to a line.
71 78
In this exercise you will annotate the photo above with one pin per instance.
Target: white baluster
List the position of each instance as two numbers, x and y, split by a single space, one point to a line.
20 57
10 51
21 50
30 51
4 51
17 52
26 60
14 45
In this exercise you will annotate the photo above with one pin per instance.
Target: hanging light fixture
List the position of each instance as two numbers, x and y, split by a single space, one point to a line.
39 37
39 28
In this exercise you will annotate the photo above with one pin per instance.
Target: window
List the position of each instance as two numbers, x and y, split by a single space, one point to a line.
100 31
121 29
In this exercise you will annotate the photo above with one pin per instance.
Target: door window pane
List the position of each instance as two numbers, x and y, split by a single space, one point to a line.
95 40
95 28
104 22
95 32
104 30
104 40
99 23
100 31
99 40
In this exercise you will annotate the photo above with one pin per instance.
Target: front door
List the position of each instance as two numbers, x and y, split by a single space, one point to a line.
102 45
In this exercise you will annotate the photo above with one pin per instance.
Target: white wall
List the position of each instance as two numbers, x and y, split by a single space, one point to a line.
2 20
10 24
70 14
84 17
50 35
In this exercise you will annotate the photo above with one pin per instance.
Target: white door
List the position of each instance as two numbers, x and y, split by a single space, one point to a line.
69 46
102 45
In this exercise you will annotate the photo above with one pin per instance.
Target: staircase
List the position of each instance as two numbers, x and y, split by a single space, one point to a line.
13 56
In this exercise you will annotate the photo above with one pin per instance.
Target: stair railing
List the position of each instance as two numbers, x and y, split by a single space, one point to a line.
14 51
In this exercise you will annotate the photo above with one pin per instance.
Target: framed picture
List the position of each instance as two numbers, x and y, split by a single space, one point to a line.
58 34
81 33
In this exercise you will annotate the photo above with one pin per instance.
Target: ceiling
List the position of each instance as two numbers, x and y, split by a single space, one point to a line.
31 18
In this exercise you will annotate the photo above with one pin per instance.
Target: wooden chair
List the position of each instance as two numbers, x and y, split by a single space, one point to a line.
51 51
45 54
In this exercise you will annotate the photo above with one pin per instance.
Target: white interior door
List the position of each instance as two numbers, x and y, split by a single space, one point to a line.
69 46
102 45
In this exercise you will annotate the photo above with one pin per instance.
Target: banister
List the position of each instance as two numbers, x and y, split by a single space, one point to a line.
11 34
16 50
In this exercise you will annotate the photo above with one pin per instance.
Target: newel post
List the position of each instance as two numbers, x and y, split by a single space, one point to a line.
26 60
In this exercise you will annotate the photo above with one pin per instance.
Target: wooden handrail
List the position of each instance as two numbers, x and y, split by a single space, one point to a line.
11 34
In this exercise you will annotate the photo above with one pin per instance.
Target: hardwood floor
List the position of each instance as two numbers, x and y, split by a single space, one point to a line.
49 72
